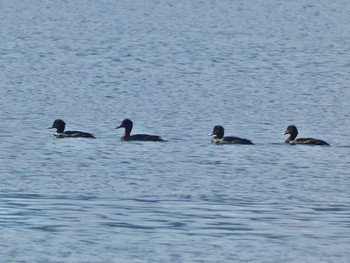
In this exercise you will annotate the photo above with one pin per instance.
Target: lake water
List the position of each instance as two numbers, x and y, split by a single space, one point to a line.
176 68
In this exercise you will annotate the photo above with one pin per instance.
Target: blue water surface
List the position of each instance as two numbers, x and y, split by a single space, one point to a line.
176 68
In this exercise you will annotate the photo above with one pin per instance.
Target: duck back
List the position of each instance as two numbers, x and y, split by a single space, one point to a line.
78 134
143 137
311 141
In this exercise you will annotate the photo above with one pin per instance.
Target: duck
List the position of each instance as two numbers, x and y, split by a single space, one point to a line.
128 125
60 125
219 138
293 133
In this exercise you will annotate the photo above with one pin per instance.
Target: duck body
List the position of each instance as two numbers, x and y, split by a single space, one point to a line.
219 138
128 125
142 137
60 125
293 133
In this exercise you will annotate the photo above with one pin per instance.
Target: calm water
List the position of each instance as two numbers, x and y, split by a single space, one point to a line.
176 68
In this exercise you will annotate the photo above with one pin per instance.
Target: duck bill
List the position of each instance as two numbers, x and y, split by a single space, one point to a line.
120 126
286 132
50 127
211 134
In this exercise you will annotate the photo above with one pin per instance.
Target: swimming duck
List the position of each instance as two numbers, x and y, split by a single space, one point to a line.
293 133
128 124
60 133
219 138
